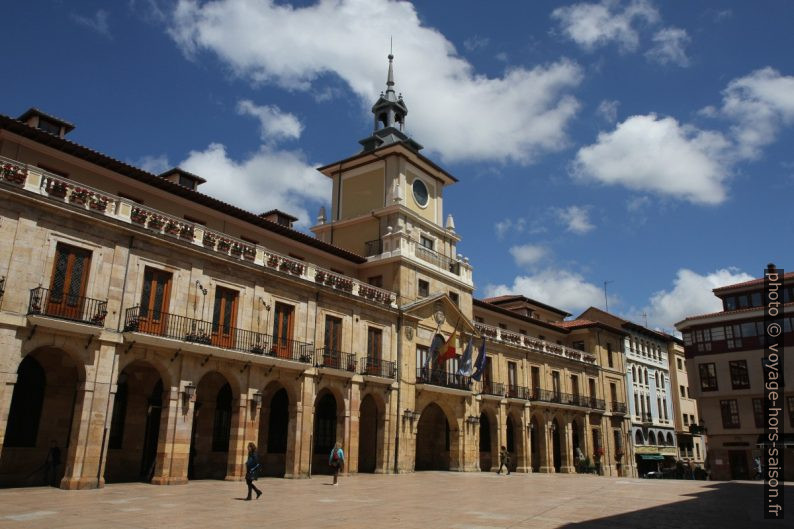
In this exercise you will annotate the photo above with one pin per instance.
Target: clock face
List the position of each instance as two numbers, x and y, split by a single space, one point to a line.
420 192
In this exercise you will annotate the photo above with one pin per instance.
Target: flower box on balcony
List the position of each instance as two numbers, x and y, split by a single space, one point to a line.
208 240
14 174
156 222
172 228
186 232
319 276
306 358
224 245
56 189
236 249
138 216
272 261
249 253
79 196
351 366
257 349
98 203
293 267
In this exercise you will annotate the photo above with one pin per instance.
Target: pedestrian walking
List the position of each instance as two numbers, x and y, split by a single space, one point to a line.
504 460
759 468
51 465
337 461
251 469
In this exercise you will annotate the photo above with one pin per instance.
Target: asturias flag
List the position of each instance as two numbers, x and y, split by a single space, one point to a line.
479 365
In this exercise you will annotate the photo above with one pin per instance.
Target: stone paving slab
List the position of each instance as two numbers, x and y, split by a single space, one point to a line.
444 500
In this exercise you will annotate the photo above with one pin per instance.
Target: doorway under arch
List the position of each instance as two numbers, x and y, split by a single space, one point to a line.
370 436
274 433
212 425
432 440
556 445
327 416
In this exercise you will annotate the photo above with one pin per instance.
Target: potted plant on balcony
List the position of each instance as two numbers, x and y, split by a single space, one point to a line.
186 232
156 222
208 240
138 216
56 189
172 227
14 174
79 196
236 249
272 261
224 245
319 276
98 203
257 349
249 253
351 365
305 357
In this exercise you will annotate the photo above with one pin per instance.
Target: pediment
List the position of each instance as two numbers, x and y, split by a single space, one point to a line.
427 314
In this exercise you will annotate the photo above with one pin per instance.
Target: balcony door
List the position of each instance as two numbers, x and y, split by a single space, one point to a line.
333 341
374 350
512 379
282 330
69 280
224 317
154 301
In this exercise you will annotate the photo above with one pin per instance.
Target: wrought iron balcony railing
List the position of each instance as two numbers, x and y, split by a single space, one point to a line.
67 306
496 334
545 395
335 359
378 368
138 319
517 392
438 377
493 388
618 407
374 247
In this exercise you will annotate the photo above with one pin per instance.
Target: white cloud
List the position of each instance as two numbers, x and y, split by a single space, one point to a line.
555 287
516 117
476 43
575 218
154 164
528 254
594 25
637 204
274 124
608 110
669 47
691 294
265 180
652 154
760 103
98 22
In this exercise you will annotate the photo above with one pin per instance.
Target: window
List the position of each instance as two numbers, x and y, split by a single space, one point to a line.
555 383
578 345
427 242
423 288
420 193
730 303
697 450
222 422
333 336
186 181
155 295
69 281
282 329
376 281
421 356
739 376
682 389
374 343
708 377
686 420
730 413
609 355
455 297
535 378
613 392
512 376
758 412
49 126
680 364
592 387
574 385
224 317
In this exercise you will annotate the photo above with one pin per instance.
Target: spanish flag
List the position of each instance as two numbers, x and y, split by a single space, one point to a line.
448 349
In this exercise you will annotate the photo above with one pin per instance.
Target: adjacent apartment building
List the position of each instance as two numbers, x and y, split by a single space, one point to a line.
690 440
150 331
724 359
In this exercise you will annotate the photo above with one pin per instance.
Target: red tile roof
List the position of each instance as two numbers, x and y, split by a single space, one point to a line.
753 282
575 323
727 312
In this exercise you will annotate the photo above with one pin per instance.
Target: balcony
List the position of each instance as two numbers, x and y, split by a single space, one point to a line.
168 227
493 388
517 392
438 260
618 407
438 377
66 306
335 359
375 367
374 247
545 395
190 330
498 335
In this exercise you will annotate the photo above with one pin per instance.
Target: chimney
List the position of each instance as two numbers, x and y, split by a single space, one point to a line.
33 117
183 178
279 217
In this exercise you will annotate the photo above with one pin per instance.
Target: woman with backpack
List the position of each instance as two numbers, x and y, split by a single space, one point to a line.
251 468
337 461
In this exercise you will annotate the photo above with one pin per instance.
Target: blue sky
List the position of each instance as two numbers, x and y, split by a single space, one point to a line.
643 143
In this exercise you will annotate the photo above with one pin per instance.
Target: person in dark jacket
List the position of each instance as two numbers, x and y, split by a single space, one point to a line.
504 460
336 459
251 468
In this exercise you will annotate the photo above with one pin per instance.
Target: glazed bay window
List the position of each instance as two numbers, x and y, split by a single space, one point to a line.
730 413
708 377
740 379
427 242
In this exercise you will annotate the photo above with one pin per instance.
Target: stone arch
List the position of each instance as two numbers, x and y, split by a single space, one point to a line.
213 416
488 439
514 439
537 442
371 433
41 417
638 438
277 419
329 427
435 441
135 422
651 438
577 440
155 363
670 439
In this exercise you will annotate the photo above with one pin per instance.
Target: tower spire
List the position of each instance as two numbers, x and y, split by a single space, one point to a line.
390 77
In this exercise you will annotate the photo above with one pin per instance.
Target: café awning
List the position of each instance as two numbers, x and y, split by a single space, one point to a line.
652 457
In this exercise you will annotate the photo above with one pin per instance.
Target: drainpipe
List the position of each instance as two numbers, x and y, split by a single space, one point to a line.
399 389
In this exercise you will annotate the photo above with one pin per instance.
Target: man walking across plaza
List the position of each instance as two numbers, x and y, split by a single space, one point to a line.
251 469
504 460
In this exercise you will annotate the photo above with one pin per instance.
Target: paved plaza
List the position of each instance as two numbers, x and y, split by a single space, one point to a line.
428 500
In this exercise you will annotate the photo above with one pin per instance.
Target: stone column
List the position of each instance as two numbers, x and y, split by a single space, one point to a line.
566 448
88 438
301 429
546 448
173 443
238 439
352 417
587 443
524 463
